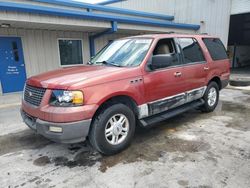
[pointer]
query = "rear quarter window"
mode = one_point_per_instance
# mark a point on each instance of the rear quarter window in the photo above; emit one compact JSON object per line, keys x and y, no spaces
{"x":191,"y":50}
{"x":215,"y":48}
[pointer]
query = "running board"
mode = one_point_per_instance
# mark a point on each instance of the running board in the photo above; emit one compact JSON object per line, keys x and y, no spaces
{"x":170,"y":113}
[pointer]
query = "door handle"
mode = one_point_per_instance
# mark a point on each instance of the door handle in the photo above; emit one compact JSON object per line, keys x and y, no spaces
{"x":177,"y":74}
{"x":206,"y":68}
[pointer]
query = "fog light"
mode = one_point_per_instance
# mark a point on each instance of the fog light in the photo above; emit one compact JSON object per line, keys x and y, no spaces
{"x":55,"y":129}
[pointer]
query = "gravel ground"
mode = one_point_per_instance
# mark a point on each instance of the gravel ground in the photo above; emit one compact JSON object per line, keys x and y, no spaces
{"x":194,"y":150}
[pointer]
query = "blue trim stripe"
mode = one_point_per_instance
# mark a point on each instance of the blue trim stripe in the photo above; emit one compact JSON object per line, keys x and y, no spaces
{"x":109,"y":2}
{"x":92,"y":38}
{"x":106,"y":9}
{"x":7,"y":6}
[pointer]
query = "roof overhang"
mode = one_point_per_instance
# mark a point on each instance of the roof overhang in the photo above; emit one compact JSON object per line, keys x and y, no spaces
{"x":76,"y":14}
{"x":108,"y":9}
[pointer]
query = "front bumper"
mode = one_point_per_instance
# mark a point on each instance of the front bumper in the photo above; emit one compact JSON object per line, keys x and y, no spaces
{"x":72,"y":132}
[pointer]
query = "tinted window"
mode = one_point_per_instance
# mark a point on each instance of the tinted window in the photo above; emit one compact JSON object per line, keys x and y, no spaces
{"x":70,"y":52}
{"x":215,"y":48}
{"x":191,"y":50}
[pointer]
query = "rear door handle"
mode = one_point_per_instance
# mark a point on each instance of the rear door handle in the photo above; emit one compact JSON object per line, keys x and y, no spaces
{"x":206,"y":68}
{"x":177,"y":74}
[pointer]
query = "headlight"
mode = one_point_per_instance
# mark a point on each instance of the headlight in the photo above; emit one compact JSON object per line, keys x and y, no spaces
{"x":66,"y":98}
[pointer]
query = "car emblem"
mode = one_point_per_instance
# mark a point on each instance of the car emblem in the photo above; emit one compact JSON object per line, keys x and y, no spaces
{"x":30,"y":94}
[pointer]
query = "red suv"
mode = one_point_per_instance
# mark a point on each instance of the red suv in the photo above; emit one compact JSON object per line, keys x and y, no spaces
{"x":136,"y":80}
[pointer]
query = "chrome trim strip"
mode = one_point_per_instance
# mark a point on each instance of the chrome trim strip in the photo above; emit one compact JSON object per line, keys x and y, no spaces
{"x":143,"y":111}
{"x":148,"y":109}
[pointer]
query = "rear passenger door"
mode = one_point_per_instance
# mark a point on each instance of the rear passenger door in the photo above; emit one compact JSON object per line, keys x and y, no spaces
{"x":195,"y":68}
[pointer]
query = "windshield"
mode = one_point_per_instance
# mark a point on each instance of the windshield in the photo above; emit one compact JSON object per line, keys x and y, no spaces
{"x":123,"y":53}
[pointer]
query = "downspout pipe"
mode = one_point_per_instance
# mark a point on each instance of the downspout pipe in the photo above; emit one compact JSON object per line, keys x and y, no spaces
{"x":92,"y":38}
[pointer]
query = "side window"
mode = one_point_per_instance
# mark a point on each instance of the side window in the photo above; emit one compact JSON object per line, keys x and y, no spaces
{"x":191,"y":50}
{"x":164,"y":54}
{"x":70,"y":52}
{"x":215,"y":48}
{"x":164,"y":46}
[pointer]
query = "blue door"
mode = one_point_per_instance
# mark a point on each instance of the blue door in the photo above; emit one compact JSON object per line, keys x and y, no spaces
{"x":12,"y":67}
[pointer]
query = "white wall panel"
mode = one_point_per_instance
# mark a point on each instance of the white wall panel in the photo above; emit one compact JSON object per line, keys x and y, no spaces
{"x":40,"y":47}
{"x":240,"y":6}
{"x":214,"y":13}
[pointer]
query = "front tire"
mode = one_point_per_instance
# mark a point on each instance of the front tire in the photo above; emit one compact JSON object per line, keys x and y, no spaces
{"x":113,"y":129}
{"x":211,"y":97}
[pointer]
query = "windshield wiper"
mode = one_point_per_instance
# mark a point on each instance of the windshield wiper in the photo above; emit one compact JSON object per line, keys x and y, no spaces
{"x":109,"y":63}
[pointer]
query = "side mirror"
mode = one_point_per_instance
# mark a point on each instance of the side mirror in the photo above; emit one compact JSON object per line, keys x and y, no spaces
{"x":163,"y":61}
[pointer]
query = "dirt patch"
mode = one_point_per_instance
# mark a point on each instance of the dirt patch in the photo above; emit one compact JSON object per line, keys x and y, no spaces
{"x":234,"y":107}
{"x":22,"y":140}
{"x":239,"y":125}
{"x":148,"y":145}
{"x":152,"y":151}
{"x":86,"y":158}
{"x":183,"y":183}
{"x":42,"y":161}
{"x":240,"y":152}
{"x":240,"y":114}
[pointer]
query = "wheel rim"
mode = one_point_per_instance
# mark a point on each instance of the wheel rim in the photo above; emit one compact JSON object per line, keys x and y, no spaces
{"x":117,"y":129}
{"x":212,"y":96}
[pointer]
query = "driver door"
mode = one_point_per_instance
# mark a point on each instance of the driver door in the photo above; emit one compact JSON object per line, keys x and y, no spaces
{"x":164,"y":87}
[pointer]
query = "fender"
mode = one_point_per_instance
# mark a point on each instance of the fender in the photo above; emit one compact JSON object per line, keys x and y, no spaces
{"x":117,"y":94}
{"x":98,"y":94}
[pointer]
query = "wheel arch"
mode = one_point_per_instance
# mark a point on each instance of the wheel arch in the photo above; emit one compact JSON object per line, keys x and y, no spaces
{"x":123,"y":99}
{"x":217,"y":80}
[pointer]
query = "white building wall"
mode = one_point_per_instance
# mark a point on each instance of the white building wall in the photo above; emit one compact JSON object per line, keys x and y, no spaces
{"x":240,"y":6}
{"x":212,"y":15}
{"x":41,"y":51}
{"x":40,"y":47}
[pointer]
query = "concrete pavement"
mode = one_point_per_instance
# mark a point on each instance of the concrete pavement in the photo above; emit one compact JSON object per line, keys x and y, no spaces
{"x":195,"y":150}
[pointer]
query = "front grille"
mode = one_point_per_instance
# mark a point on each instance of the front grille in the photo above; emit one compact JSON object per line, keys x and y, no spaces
{"x":33,"y":95}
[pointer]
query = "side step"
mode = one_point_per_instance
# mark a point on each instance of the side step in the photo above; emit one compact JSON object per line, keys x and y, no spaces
{"x":170,"y":113}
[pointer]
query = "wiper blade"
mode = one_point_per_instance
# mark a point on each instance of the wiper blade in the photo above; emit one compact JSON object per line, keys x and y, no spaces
{"x":109,"y":63}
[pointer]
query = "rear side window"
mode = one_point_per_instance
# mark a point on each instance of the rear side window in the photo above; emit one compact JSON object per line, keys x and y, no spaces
{"x":191,"y":50}
{"x":215,"y":48}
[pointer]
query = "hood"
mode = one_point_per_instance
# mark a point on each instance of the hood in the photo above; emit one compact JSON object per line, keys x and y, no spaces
{"x":78,"y":75}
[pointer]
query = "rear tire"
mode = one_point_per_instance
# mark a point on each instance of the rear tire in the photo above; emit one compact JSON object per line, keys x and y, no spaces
{"x":211,"y":97}
{"x":112,"y":129}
